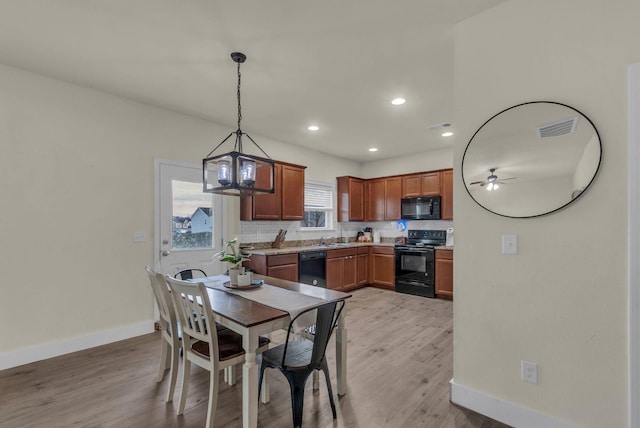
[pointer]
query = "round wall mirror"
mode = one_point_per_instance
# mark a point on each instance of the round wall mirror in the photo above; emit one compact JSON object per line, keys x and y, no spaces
{"x":531,"y":159}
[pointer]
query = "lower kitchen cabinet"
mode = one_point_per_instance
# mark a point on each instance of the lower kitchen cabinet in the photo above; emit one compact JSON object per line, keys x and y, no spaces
{"x":382,"y":270}
{"x":342,"y":269}
{"x":363,"y":266}
{"x":444,"y":274}
{"x":282,"y":266}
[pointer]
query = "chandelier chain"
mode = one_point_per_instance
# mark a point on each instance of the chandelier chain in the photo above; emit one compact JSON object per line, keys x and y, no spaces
{"x":239,"y":108}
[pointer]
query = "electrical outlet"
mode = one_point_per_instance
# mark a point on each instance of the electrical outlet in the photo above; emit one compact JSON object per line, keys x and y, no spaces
{"x":529,"y":372}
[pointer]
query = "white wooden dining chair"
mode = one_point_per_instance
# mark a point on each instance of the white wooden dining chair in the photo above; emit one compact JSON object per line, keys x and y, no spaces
{"x":169,"y":329}
{"x":209,"y":348}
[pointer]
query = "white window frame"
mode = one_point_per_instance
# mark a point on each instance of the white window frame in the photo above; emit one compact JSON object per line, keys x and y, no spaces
{"x":330,"y":210}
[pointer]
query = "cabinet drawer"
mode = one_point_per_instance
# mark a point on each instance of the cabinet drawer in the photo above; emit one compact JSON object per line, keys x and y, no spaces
{"x":444,"y":254}
{"x":363,"y":250}
{"x":345,"y":252}
{"x":383,"y":250}
{"x":282,"y":259}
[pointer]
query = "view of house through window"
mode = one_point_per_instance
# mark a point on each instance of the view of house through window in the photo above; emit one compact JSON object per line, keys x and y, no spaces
{"x":318,"y":206}
{"x":192,"y":216}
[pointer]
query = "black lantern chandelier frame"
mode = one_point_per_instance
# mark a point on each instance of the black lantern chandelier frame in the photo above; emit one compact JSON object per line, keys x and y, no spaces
{"x":237,"y":173}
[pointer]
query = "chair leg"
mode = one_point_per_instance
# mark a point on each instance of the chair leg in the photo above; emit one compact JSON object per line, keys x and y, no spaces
{"x":325,"y":369}
{"x":213,"y":397}
{"x":175,"y":359}
{"x":263,"y":367}
{"x":186,"y":369}
{"x":316,"y":383}
{"x":231,"y":375}
{"x":264,"y":385}
{"x":297,"y":382}
{"x":164,"y":354}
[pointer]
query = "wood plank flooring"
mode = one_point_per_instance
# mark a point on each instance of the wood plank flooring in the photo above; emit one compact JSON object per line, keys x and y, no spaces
{"x":399,"y":365}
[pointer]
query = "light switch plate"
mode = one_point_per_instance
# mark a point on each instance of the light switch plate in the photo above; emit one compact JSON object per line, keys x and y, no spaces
{"x":139,"y":236}
{"x":509,"y":244}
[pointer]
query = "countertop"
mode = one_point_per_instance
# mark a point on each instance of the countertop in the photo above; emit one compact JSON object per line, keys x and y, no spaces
{"x":302,"y":249}
{"x":293,"y":250}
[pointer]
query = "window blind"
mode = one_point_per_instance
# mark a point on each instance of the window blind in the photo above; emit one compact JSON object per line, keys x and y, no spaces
{"x":318,"y":195}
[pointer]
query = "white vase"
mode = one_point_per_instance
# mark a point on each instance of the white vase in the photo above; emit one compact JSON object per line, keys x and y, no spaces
{"x":233,"y":274}
{"x":245,"y":280}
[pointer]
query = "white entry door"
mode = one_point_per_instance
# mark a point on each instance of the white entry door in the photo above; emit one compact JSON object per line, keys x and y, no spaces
{"x":189,"y":222}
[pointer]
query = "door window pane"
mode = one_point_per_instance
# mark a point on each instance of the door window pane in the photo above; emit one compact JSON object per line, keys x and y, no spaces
{"x":192,"y":216}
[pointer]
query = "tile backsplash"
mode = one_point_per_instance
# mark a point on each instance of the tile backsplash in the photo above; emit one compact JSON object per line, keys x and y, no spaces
{"x":254,"y":232}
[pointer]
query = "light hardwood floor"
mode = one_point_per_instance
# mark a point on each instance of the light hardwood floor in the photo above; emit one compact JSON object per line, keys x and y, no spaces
{"x":399,"y":365}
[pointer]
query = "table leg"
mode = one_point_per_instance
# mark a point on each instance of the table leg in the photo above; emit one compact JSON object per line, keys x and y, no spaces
{"x":250,"y":381}
{"x":341,"y":353}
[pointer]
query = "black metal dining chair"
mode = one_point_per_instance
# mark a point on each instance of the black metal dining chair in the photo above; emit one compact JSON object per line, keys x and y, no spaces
{"x":186,"y":274}
{"x":299,"y":356}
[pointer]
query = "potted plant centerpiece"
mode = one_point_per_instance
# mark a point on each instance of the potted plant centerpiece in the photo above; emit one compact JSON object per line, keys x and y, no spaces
{"x":234,"y":255}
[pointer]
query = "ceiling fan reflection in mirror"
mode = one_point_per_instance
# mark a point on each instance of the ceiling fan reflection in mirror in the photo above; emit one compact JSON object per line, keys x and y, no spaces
{"x":492,"y":182}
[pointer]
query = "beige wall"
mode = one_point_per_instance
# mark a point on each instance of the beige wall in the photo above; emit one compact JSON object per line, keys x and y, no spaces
{"x":77,"y":168}
{"x":418,"y":162}
{"x":562,"y":301}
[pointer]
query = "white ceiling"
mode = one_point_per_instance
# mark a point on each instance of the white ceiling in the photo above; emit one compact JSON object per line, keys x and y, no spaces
{"x":333,"y":63}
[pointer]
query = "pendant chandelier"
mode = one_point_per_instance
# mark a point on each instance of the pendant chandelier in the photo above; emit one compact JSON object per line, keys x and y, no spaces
{"x":237,"y":173}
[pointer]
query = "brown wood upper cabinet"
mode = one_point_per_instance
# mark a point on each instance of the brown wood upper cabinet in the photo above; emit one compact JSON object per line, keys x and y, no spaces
{"x":422,"y":184}
{"x":286,"y":203}
{"x":446,"y":191}
{"x":383,"y":198}
{"x":350,"y":199}
{"x":378,"y":199}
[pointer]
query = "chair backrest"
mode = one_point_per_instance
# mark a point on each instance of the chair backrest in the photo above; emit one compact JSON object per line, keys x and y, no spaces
{"x":192,"y":305}
{"x":327,"y":316}
{"x":190,"y":274}
{"x":163,"y":298}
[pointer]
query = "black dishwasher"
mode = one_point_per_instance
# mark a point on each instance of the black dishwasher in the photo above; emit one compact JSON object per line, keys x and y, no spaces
{"x":312,"y":267}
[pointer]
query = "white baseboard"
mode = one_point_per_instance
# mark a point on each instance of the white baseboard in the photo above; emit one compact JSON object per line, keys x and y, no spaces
{"x":53,"y":349}
{"x":501,"y":410}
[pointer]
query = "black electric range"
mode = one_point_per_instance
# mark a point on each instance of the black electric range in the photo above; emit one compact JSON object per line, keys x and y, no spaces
{"x":415,"y":262}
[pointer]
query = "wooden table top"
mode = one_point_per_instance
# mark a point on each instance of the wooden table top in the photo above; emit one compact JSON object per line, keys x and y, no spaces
{"x":249,"y":313}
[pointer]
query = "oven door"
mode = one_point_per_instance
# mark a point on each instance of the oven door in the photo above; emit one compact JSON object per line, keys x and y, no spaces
{"x":415,"y":265}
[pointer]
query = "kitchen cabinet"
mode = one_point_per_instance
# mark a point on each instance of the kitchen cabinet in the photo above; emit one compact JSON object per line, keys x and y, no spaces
{"x":446,"y":191}
{"x":283,"y":266}
{"x":382,"y":267}
{"x":422,"y":184}
{"x":383,"y":198}
{"x":363,"y":266}
{"x":342,"y":269}
{"x":286,"y":203}
{"x":350,"y":199}
{"x":444,"y":274}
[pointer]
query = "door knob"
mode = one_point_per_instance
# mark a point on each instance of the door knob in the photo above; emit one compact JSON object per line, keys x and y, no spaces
{"x":165,"y":253}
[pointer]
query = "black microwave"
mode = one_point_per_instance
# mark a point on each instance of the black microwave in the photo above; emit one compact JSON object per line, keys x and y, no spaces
{"x":425,"y":208}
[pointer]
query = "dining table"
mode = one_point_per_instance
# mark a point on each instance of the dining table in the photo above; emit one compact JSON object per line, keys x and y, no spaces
{"x":263,"y":309}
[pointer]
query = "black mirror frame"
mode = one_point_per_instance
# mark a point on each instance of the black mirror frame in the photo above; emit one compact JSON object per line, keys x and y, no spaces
{"x":574,"y":198}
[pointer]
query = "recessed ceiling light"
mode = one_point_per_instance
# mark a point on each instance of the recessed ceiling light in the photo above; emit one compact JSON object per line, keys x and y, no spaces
{"x":313,"y":127}
{"x":398,"y":101}
{"x":373,"y":149}
{"x":447,"y":134}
